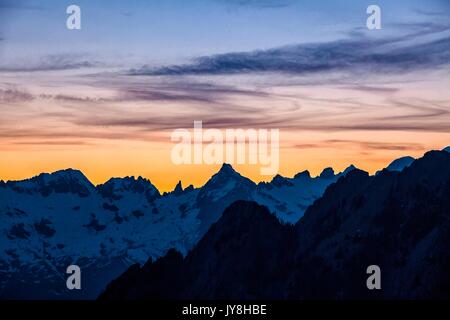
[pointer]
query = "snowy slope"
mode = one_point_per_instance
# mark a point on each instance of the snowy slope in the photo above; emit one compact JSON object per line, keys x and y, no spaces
{"x":288,"y":198}
{"x":53,"y":220}
{"x":43,"y":222}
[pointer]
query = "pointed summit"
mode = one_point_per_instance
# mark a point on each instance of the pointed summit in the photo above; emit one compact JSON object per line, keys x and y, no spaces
{"x":225,"y":182}
{"x":327,"y":173}
{"x":226,"y":173}
{"x":446,"y":149}
{"x":178,"y":189}
{"x":349,"y":169}
{"x":226,"y":169}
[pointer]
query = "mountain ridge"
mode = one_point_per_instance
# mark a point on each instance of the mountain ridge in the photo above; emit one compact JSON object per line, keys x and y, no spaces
{"x":397,"y":220}
{"x":224,"y":170}
{"x":107,"y":228}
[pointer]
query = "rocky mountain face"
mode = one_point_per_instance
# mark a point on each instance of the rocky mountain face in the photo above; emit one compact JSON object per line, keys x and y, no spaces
{"x":54,"y":220}
{"x":397,"y":220}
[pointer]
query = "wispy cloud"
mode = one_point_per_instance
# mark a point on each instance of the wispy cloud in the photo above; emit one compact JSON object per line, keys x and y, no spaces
{"x":365,"y":145}
{"x":372,"y":89}
{"x":429,"y":13}
{"x":14,"y":95}
{"x":189,"y":91}
{"x":57,"y":62}
{"x":358,"y":54}
{"x":145,"y":103}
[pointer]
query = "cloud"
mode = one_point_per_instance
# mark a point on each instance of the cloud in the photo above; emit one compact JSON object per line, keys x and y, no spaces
{"x":14,"y":95}
{"x":56,"y":62}
{"x":182,"y":91}
{"x":145,"y":91}
{"x":432,"y":14}
{"x":56,"y":142}
{"x":140,"y":107}
{"x":119,"y":90}
{"x":375,"y":145}
{"x":365,"y":145}
{"x":359,"y":54}
{"x":373,"y":89}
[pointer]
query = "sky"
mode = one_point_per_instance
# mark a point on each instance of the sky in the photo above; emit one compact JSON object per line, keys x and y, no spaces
{"x":105,"y":99}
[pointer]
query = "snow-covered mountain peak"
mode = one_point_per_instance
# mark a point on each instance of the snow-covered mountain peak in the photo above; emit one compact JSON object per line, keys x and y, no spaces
{"x":226,"y":175}
{"x":68,"y":175}
{"x":115,"y":187}
{"x":62,"y":181}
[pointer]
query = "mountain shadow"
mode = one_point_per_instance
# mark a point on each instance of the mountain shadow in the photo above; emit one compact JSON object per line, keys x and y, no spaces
{"x":399,"y":221}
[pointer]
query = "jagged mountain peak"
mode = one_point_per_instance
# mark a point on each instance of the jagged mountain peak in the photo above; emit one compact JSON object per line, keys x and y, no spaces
{"x":225,"y":187}
{"x":359,"y":221}
{"x":446,"y":149}
{"x":349,"y":169}
{"x":115,"y":186}
{"x":227,"y":169}
{"x":128,"y":183}
{"x":131,"y":223}
{"x":179,"y":186}
{"x":327,"y":173}
{"x":226,"y":173}
{"x":178,"y":189}
{"x":280,"y":181}
{"x":303,"y":174}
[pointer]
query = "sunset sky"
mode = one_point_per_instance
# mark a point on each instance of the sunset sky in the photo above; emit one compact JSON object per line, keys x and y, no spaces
{"x":105,"y":99}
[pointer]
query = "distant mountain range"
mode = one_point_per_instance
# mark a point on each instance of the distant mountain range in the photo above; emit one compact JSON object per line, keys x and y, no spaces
{"x":398,"y":220}
{"x":53,"y":220}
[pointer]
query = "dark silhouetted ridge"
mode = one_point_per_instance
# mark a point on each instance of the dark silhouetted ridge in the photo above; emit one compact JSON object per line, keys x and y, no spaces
{"x":399,"y":221}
